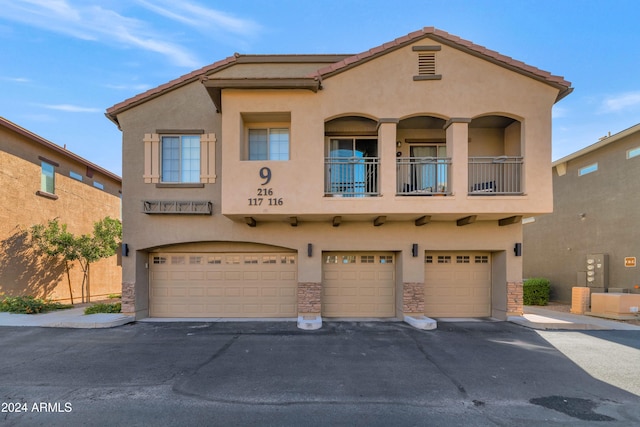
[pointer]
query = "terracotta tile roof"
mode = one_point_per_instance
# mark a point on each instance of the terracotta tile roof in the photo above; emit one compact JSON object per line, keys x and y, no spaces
{"x":62,"y":150}
{"x":456,"y":42}
{"x":173,"y":84}
{"x":348,"y":61}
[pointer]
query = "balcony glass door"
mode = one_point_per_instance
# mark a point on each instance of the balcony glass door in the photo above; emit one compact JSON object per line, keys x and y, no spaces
{"x":352,"y":167}
{"x":429,"y":168}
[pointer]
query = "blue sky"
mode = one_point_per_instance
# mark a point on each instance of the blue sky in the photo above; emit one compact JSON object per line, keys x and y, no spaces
{"x":64,"y":62}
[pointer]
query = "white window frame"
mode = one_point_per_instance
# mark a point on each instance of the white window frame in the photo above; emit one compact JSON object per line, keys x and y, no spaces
{"x":195,"y":163}
{"x":269,"y":153}
{"x":47,"y":177}
{"x":633,"y":152}
{"x":585,"y":170}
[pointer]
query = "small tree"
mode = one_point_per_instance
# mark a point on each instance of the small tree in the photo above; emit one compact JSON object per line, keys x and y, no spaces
{"x":107,"y":234}
{"x":54,"y":240}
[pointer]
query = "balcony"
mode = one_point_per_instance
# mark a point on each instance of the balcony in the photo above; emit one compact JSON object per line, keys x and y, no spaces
{"x":500,"y":175}
{"x":351,"y":176}
{"x":422,"y":176}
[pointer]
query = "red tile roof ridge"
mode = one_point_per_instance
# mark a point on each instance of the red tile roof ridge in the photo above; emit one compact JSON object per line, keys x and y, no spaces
{"x":353,"y":60}
{"x":446,"y":37}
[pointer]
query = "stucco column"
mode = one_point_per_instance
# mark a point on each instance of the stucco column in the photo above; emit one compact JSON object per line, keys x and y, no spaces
{"x":387,"y":154}
{"x":458,"y":150}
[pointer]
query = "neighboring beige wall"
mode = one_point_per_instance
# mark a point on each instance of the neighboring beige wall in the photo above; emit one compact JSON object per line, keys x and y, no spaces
{"x":78,"y":205}
{"x":556,"y":245}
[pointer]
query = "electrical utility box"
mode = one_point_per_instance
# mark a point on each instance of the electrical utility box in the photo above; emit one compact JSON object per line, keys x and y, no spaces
{"x":598,"y":271}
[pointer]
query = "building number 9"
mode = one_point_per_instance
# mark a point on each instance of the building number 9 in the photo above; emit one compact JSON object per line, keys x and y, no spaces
{"x":265,"y":173}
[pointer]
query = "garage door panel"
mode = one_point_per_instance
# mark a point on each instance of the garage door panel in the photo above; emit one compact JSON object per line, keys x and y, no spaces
{"x":331,"y":275}
{"x":288,"y":292}
{"x":215,"y":275}
{"x":250,"y":275}
{"x":368,"y":275}
{"x":178,"y":275}
{"x":250,"y":292}
{"x":457,"y":284}
{"x":386,"y":275}
{"x":288,"y":275}
{"x":233,"y":275}
{"x":222,"y":285}
{"x":358,"y":285}
{"x":196,"y":292}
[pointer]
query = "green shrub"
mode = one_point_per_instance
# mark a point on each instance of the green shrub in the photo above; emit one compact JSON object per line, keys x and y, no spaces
{"x":114,"y":296}
{"x":103,"y":308}
{"x":536,"y":291}
{"x":30,"y":305}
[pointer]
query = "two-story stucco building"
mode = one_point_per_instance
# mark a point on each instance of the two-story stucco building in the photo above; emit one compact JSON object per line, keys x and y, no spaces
{"x":388,"y":184}
{"x":40,"y":181}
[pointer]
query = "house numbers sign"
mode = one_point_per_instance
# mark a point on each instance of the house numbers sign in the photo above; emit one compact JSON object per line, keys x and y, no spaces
{"x":630,"y":261}
{"x":265,"y":195}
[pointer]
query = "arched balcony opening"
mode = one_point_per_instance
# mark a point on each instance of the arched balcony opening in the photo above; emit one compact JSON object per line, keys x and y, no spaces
{"x":495,"y":156}
{"x":351,"y":157}
{"x":422,"y":164}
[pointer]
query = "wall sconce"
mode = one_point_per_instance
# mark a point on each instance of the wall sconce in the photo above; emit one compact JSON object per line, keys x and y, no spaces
{"x":414,"y":250}
{"x":309,"y":250}
{"x":399,"y":144}
{"x":125,"y":249}
{"x":517,"y":249}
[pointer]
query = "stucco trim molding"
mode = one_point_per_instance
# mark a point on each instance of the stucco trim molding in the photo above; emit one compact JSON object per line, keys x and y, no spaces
{"x":455,"y":120}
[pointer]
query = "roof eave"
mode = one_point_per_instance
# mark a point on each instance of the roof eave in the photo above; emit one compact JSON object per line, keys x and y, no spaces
{"x":601,"y":143}
{"x":215,"y":86}
{"x":55,"y":147}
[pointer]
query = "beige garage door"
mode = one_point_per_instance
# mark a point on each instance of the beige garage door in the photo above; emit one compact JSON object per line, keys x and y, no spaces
{"x":358,"y":284}
{"x":457,"y":284}
{"x":223,"y":285}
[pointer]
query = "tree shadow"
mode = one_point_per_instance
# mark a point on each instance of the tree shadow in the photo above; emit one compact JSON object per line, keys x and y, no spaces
{"x":25,"y":272}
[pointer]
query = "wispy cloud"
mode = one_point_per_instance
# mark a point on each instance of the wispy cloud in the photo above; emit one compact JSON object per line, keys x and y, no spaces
{"x":129,"y":87}
{"x":203,"y":18}
{"x":91,"y":21}
{"x":621,"y":102}
{"x":70,"y":108}
{"x":15,"y":79}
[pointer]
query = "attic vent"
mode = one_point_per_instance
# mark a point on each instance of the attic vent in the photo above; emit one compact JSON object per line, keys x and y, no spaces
{"x":427,"y":64}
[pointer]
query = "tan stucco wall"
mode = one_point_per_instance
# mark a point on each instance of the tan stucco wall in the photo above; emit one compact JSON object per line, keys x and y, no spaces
{"x":78,"y":205}
{"x":379,"y":89}
{"x":383,"y":89}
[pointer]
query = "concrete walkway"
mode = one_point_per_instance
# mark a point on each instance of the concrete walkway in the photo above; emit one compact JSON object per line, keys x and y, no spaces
{"x":534,"y":317}
{"x":71,"y":318}
{"x":542,"y":318}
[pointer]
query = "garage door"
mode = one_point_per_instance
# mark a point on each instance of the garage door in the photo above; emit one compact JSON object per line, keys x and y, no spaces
{"x":457,"y":284}
{"x":358,"y":284}
{"x":223,"y":285}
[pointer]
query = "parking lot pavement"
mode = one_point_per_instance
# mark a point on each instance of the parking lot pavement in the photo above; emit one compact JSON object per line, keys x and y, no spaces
{"x":347,"y":373}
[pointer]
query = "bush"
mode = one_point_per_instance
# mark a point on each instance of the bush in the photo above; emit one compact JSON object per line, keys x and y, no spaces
{"x":536,"y":291}
{"x":103,"y":308}
{"x":30,"y":305}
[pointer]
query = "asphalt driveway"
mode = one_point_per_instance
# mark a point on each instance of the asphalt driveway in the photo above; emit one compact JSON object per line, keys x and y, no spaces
{"x":352,"y":373}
